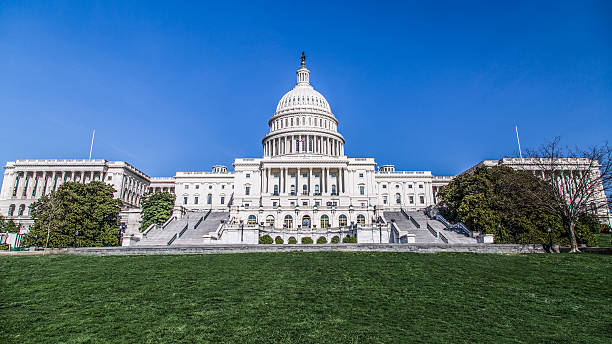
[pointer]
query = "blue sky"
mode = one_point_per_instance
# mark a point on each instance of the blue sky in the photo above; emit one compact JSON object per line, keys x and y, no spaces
{"x":181,"y":86}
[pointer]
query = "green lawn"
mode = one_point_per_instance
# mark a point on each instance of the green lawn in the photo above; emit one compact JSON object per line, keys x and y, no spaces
{"x":324,"y":297}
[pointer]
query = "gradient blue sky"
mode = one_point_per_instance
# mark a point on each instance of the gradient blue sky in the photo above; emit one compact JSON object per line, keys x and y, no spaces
{"x":179,"y":86}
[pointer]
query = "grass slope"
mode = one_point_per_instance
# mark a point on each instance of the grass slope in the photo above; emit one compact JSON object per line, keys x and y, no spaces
{"x":324,"y":297}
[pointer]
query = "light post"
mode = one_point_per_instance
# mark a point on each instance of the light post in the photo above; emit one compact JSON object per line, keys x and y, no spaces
{"x":241,"y":229}
{"x":379,"y":230}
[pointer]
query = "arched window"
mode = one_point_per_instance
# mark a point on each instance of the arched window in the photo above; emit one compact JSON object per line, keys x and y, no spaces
{"x":292,"y":190}
{"x":333,"y":189}
{"x":342,"y":221}
{"x":306,"y":221}
{"x":21,"y":210}
{"x":11,"y":210}
{"x":324,"y":221}
{"x":252,"y":221}
{"x":361,"y":220}
{"x":270,"y":220}
{"x":398,"y":198}
{"x":209,"y":199}
{"x":288,"y":223}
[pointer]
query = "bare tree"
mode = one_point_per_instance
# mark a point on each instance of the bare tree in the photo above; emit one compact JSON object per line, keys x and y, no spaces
{"x":581,"y":182}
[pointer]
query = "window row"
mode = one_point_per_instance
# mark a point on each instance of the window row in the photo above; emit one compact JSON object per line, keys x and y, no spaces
{"x":306,"y":221}
{"x":289,"y":122}
{"x":209,"y":200}
{"x":398,"y":199}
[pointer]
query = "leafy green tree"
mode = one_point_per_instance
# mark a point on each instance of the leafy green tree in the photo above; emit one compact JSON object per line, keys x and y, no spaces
{"x":8,"y":226}
{"x":500,"y":200}
{"x":156,"y":208}
{"x":85,"y":214}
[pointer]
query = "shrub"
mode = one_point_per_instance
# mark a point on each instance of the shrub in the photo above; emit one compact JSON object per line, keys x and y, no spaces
{"x":307,"y":240}
{"x":266,"y":239}
{"x":292,"y":241}
{"x":279,"y":240}
{"x":4,"y":247}
{"x":335,"y":240}
{"x":349,"y":240}
{"x":321,"y":240}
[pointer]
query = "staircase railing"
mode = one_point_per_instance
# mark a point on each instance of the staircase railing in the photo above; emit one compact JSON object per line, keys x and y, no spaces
{"x":180,"y":234}
{"x":443,"y":238}
{"x":432,"y":231}
{"x":410,"y":218}
{"x":462,"y":227}
{"x":174,"y":237}
{"x":459,"y":226}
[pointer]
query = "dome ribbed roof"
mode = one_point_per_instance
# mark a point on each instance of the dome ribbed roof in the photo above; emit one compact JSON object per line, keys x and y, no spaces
{"x":303,"y":96}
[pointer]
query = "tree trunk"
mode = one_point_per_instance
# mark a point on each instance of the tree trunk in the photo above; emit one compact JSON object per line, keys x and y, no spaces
{"x":572,"y":234}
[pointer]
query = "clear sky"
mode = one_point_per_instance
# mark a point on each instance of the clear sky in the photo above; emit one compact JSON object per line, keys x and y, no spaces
{"x":180,"y":86}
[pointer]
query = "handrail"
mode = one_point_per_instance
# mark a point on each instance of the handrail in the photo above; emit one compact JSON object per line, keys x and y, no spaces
{"x":443,"y":220}
{"x":431,"y":230}
{"x":461,"y":226}
{"x":180,"y":234}
{"x":443,"y":238}
{"x":151,"y":226}
{"x":410,"y":218}
{"x":174,"y":237}
{"x":168,"y":221}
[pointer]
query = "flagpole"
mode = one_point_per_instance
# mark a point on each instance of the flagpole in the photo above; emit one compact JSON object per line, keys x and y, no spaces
{"x":92,"y":141}
{"x":519,"y":142}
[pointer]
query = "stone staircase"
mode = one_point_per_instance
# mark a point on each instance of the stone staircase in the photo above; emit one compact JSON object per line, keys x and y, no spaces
{"x":163,"y":236}
{"x":452,"y":236}
{"x":419,"y":224}
{"x":193,"y":235}
{"x":422,"y":235}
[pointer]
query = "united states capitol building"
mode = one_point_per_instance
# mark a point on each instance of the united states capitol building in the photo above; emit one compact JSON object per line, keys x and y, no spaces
{"x":303,"y":185}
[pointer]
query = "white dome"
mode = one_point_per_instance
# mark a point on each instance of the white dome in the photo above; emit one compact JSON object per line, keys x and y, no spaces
{"x":302,"y":96}
{"x":303,"y":123}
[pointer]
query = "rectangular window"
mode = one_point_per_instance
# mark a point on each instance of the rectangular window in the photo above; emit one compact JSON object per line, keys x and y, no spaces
{"x":275,"y":175}
{"x":362,"y":190}
{"x":384,"y":186}
{"x":195,"y":200}
{"x":248,"y":175}
{"x":420,"y":186}
{"x":222,"y":200}
{"x":411,"y":199}
{"x":186,"y":186}
{"x":274,"y":204}
{"x":410,"y":186}
{"x":360,"y":175}
{"x":184,"y":200}
{"x":304,"y":175}
{"x":422,"y":199}
{"x":223,"y":186}
{"x":333,"y":175}
{"x":385,"y":200}
{"x":197,"y":186}
{"x":247,"y":190}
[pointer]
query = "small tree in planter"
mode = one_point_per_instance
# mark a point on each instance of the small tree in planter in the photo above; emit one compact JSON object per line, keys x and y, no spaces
{"x":278,"y":240}
{"x":349,"y":240}
{"x":266,"y":240}
{"x":321,"y":240}
{"x":335,"y":240}
{"x":307,"y":240}
{"x":292,"y":241}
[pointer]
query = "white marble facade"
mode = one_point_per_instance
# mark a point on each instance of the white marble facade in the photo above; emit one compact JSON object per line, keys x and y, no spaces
{"x":303,"y":179}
